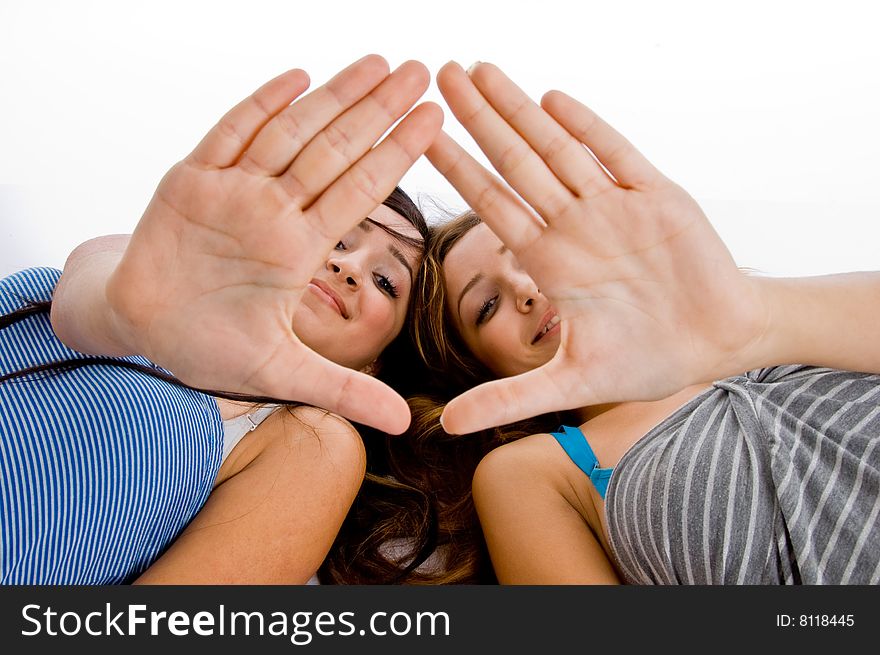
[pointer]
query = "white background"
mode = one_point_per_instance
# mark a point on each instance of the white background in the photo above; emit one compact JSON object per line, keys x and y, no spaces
{"x":767,"y":112}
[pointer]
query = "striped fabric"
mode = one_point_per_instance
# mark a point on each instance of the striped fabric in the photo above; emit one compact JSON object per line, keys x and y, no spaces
{"x":100,"y":468}
{"x":768,"y":478}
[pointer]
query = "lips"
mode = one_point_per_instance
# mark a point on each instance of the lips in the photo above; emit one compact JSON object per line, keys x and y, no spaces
{"x":328,"y":295}
{"x":548,"y":323}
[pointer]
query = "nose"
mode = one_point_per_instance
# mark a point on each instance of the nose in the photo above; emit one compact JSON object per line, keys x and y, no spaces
{"x":526,"y":294}
{"x":345,"y":270}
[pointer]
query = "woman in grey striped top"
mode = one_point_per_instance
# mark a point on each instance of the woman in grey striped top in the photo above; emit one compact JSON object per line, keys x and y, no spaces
{"x":228,"y":284}
{"x":700,"y":457}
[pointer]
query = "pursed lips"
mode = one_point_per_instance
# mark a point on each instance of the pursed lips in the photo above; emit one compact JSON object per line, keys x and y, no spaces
{"x":329,"y":295}
{"x":549,"y":321}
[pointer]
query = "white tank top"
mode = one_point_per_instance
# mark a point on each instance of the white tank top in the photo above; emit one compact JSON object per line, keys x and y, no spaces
{"x":235,"y":429}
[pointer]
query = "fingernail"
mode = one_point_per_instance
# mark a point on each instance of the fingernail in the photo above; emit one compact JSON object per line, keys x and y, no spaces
{"x":442,"y":425}
{"x":471,"y":68}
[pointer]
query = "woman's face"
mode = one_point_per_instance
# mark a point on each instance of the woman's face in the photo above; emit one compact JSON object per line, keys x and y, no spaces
{"x":355,"y":305}
{"x":496,"y":307}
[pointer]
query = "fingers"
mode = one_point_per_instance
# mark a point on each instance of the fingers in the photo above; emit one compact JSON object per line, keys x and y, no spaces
{"x":619,"y":156}
{"x":287,"y":133}
{"x":509,"y":153}
{"x":542,"y":390}
{"x":372,"y":179}
{"x":302,"y":374}
{"x":223,"y":145}
{"x":347,"y":138}
{"x":495,"y":203}
{"x":560,"y":151}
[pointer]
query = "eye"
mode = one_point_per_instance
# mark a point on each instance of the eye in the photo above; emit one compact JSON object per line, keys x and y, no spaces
{"x":487,"y":309}
{"x":386,"y":285}
{"x":340,"y":246}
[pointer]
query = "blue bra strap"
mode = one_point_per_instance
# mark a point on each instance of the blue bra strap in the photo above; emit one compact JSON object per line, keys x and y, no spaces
{"x":574,"y":443}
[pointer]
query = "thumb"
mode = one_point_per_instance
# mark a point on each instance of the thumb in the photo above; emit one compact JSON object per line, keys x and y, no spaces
{"x":512,"y":399}
{"x":311,"y":379}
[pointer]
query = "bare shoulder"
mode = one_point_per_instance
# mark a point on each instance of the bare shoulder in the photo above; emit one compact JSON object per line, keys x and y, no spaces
{"x":311,"y":434}
{"x":538,"y":461}
{"x":537,"y":450}
{"x":307,"y":431}
{"x":538,"y":458}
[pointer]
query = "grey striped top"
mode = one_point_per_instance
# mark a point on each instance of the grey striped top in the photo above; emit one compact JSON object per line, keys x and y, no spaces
{"x":772,"y":477}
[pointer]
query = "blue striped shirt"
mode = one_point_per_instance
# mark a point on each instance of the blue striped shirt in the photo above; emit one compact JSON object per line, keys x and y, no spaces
{"x":100,"y":467}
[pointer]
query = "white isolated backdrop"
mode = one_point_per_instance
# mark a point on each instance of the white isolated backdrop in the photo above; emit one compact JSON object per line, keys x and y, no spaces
{"x":766,"y":112}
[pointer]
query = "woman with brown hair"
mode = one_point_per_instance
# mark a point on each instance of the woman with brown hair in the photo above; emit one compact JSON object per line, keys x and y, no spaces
{"x":723,"y":436}
{"x":274,"y":264}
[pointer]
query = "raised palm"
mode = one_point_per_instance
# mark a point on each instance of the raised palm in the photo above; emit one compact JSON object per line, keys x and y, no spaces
{"x":215,"y":269}
{"x":650,"y":297}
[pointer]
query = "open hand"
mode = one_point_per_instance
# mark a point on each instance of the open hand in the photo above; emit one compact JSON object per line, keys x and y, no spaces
{"x":650,"y":299}
{"x":216,"y":267}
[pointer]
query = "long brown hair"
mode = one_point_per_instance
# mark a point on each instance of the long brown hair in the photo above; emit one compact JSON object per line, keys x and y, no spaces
{"x":418,"y":486}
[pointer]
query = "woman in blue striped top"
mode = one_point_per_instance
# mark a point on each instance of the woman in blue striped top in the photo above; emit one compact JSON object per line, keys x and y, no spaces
{"x":701,"y":456}
{"x":112,"y":474}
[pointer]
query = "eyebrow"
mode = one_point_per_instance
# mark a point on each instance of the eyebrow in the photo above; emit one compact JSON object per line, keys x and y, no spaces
{"x":399,"y":257}
{"x":395,"y":252}
{"x":476,"y":278}
{"x":467,"y":287}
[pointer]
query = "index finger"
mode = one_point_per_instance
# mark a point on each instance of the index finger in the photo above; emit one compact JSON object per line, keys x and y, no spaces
{"x":511,"y":155}
{"x":562,"y":153}
{"x":371,"y":178}
{"x":487,"y":195}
